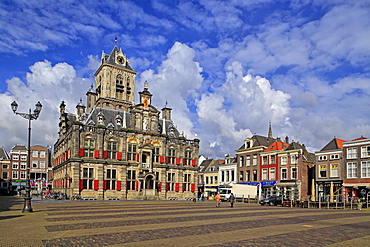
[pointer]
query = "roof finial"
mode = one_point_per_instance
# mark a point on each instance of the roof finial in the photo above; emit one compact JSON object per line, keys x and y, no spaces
{"x":115,"y":40}
{"x":146,"y":84}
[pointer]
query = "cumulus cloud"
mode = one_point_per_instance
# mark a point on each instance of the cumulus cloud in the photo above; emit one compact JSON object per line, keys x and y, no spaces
{"x":242,"y":106}
{"x":175,"y":82}
{"x":45,"y":83}
{"x":304,"y":66}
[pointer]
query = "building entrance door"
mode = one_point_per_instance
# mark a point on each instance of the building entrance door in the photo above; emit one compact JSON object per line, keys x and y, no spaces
{"x":149,"y":185}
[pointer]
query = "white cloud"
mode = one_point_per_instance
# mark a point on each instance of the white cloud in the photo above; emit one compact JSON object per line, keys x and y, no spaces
{"x":49,"y":85}
{"x":176,"y":82}
{"x":242,"y":106}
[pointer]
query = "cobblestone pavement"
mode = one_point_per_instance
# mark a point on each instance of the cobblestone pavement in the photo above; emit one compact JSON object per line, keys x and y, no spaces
{"x":177,"y":223}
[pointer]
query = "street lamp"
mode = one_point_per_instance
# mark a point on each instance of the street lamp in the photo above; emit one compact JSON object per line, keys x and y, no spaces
{"x":27,"y":208}
{"x":66,"y":178}
{"x":296,"y":194}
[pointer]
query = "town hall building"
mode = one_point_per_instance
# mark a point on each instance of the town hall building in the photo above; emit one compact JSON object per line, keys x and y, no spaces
{"x":114,"y":149}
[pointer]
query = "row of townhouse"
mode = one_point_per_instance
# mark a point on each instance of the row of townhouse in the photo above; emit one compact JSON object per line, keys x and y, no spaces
{"x":340,"y":170}
{"x":14,"y":171}
{"x":343,"y":169}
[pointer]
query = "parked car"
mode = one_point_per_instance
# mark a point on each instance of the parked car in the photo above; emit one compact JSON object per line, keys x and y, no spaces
{"x":271,"y":201}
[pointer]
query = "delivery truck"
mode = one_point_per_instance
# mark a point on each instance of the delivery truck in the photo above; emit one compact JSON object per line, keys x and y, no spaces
{"x":240,"y":191}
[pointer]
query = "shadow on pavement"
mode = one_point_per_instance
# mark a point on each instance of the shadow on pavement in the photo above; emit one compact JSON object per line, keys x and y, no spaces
{"x":10,"y":217}
{"x":6,"y":202}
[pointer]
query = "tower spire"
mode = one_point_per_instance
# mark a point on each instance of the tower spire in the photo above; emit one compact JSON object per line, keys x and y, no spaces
{"x":270,"y":131}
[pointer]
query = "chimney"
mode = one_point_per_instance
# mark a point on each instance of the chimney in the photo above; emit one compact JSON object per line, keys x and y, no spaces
{"x":286,"y":139}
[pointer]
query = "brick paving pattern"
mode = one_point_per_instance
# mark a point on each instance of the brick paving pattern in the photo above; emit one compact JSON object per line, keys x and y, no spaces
{"x":177,"y":223}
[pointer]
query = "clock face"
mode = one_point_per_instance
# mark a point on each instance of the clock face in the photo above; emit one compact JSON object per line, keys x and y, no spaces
{"x":120,"y":60}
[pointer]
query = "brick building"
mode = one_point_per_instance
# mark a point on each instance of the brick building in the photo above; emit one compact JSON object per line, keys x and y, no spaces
{"x":356,"y":181}
{"x":330,"y":170}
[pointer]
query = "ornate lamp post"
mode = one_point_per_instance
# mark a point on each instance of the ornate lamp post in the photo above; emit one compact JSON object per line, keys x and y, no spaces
{"x":296,"y":190}
{"x":27,"y":208}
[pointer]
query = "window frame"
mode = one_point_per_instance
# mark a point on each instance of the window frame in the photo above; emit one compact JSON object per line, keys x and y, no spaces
{"x":352,"y":153}
{"x":353,"y":171}
{"x":365,"y":165}
{"x":365,"y":153}
{"x":284,"y":174}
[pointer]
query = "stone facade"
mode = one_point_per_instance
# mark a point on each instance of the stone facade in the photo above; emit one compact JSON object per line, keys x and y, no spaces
{"x":115,"y":149}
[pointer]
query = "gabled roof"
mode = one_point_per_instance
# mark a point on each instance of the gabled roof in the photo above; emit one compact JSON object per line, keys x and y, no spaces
{"x":309,"y":157}
{"x":3,"y":154}
{"x":294,"y":146}
{"x":203,"y":166}
{"x":260,"y":141}
{"x":110,"y":59}
{"x":19,"y":148}
{"x":333,"y":144}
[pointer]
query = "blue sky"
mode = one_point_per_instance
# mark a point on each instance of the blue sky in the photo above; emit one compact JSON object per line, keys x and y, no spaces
{"x":227,"y":68}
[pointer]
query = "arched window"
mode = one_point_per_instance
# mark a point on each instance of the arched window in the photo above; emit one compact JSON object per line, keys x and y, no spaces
{"x":119,"y":80}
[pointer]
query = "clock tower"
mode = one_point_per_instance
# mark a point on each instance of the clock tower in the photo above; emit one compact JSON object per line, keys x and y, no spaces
{"x":115,"y":81}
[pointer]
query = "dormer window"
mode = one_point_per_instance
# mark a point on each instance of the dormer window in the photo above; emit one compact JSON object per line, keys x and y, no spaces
{"x":118,"y":120}
{"x":248,"y":143}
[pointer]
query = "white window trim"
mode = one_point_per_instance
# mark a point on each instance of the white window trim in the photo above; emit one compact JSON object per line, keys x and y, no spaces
{"x":367,"y":154}
{"x":354,"y":153}
{"x":352,"y":163}
{"x":368,"y":173}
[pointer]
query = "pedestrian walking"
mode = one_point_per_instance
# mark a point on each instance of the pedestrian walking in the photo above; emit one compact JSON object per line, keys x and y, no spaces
{"x":232,"y":199}
{"x":218,"y":200}
{"x":194,"y":197}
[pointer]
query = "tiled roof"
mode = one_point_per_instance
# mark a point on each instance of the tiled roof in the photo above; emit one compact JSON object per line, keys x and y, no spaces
{"x":360,"y":138}
{"x":277,"y":145}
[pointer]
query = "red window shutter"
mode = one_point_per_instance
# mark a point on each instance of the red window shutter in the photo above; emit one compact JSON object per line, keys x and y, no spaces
{"x":193,"y":162}
{"x":167,"y":186}
{"x":137,"y":157}
{"x":118,"y":184}
{"x":81,"y":152}
{"x":119,"y":155}
{"x":105,"y":184}
{"x":177,"y":185}
{"x":105,"y":154}
{"x":137,"y":185}
{"x":159,"y":186}
{"x":81,"y":184}
{"x":167,"y":160}
{"x":96,"y":184}
{"x":96,"y":154}
{"x":184,"y":162}
{"x":192,"y":187}
{"x":177,"y":161}
{"x":161,"y":159}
